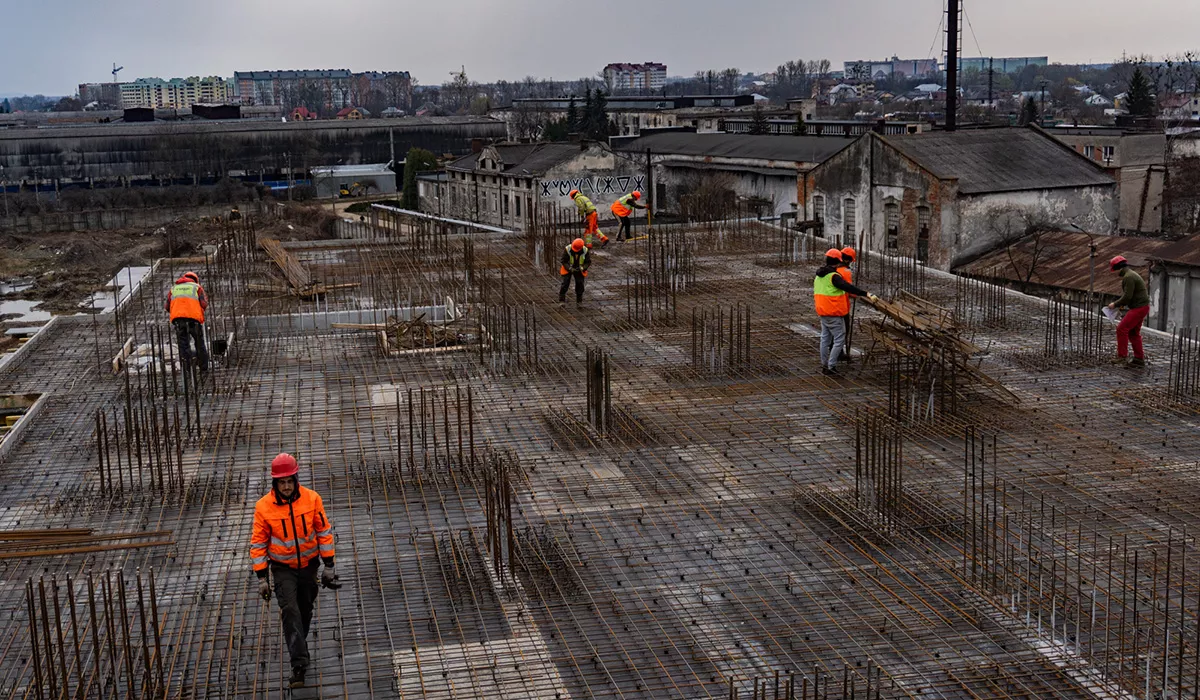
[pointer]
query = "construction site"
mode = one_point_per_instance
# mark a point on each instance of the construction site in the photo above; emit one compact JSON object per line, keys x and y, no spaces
{"x":655,"y":495}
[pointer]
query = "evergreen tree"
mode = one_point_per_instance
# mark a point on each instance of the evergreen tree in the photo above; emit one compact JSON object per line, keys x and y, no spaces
{"x":599,"y":121}
{"x":1139,"y":99}
{"x":417,"y":161}
{"x":585,"y":120}
{"x":758,"y":121}
{"x":1029,"y":112}
{"x":557,"y":130}
{"x":6,"y":108}
{"x":572,"y":115}
{"x":801,"y":126}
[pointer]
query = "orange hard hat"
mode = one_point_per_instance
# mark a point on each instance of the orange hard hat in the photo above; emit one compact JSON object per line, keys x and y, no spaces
{"x":572,"y":194}
{"x":1119,"y":260}
{"x":833,"y":253}
{"x":284,"y":465}
{"x":848,"y":254}
{"x":637,"y":194}
{"x":577,"y":245}
{"x":191,"y":276}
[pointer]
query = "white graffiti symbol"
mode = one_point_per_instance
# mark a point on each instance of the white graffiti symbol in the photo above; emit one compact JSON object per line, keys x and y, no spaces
{"x":599,"y":185}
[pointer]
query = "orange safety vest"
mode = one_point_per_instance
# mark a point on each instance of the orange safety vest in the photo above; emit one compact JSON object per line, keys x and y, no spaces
{"x":291,"y":534}
{"x":830,"y":300}
{"x":185,"y":301}
{"x":621,"y":206}
{"x":845,"y":273}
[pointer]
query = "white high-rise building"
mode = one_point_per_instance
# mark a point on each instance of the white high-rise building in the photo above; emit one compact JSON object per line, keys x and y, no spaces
{"x":635,"y":76}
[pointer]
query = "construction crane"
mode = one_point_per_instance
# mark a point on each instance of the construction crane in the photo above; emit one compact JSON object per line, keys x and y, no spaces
{"x":116,"y":70}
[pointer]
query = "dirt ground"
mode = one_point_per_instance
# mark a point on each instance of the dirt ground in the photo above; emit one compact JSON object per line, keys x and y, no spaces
{"x":65,"y":268}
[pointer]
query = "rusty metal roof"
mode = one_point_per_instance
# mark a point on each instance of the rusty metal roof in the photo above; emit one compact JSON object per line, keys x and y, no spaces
{"x":1059,"y":259}
{"x":1185,"y":252}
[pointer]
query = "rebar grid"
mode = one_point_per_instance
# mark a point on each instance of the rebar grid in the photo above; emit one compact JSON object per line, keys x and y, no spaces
{"x":702,"y":539}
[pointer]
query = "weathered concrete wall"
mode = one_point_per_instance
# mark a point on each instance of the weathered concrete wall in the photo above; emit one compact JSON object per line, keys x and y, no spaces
{"x":1142,"y":198}
{"x":991,"y":220}
{"x":679,"y":180}
{"x":1174,"y":297}
{"x":108,"y":219}
{"x":213,"y":149}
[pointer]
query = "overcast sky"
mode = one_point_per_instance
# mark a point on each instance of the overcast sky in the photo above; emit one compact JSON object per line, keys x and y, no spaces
{"x":53,"y":45}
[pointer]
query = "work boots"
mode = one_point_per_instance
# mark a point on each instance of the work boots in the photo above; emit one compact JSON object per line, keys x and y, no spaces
{"x":297,"y":680}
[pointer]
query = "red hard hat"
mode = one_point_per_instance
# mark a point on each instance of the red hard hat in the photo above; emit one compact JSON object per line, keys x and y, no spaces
{"x":577,"y":245}
{"x":848,"y":252}
{"x":1112,"y":265}
{"x":833,"y":253}
{"x":637,"y":194}
{"x":572,"y":193}
{"x":284,"y":465}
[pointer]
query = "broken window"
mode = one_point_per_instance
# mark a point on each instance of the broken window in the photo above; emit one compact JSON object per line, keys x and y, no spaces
{"x":891,"y":218}
{"x":849,"y":221}
{"x":923,"y":219}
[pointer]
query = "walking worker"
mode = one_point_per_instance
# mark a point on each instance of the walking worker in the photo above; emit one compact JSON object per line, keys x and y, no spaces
{"x":831,"y":295}
{"x":591,"y":219}
{"x":574,"y":266}
{"x":1135,"y":298}
{"x":187,"y":303}
{"x":291,"y":536}
{"x":848,"y":256}
{"x":622,"y":208}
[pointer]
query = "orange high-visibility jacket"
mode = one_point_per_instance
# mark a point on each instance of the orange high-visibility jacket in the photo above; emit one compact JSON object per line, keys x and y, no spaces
{"x":845,"y":273}
{"x":625,"y":205}
{"x":830,"y":301}
{"x":290,"y":534}
{"x":187,"y":300}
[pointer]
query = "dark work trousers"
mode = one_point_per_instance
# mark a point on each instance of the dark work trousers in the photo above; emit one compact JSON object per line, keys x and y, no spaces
{"x":566,"y":284}
{"x":624,"y":232}
{"x":186,"y":331}
{"x":296,"y":589}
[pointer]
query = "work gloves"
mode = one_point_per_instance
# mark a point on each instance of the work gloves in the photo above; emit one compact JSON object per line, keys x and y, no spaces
{"x":264,"y":589}
{"x":872,"y":297}
{"x":329,"y":579}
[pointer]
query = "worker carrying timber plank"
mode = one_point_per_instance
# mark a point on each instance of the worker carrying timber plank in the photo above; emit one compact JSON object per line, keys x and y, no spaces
{"x":574,"y":266}
{"x":848,"y":256}
{"x":291,"y":536}
{"x":591,"y":219}
{"x":1135,"y":298}
{"x":187,"y":303}
{"x":622,"y":208}
{"x":830,"y":294}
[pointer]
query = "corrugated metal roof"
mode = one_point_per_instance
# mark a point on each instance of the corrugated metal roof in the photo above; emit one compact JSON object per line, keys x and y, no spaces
{"x":789,"y":172}
{"x":1185,"y":252}
{"x":1059,"y":259}
{"x":1000,"y":160}
{"x":797,"y":149}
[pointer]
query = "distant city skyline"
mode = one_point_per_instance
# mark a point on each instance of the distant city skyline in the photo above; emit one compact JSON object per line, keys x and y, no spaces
{"x":548,"y":40}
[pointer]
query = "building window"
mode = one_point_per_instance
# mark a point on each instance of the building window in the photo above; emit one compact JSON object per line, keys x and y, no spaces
{"x":1109,"y":152}
{"x":923,"y":220}
{"x":818,"y":212}
{"x":849,"y":221}
{"x":1089,"y":152}
{"x":517,"y":206}
{"x":506,"y":205}
{"x":891,"y":219}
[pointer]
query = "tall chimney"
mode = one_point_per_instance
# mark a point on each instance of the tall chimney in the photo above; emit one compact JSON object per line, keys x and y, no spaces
{"x":951,"y":64}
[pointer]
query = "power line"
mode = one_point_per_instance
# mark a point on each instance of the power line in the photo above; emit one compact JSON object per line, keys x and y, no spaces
{"x":972,"y":28}
{"x":938,"y":33}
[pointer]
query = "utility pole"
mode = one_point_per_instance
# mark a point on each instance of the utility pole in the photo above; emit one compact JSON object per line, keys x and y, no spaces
{"x":1042,"y":110}
{"x":952,"y":65}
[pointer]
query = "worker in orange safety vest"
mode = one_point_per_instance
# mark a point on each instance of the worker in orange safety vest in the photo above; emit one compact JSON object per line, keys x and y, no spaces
{"x":574,"y":266}
{"x":622,"y":208}
{"x":830,"y":295}
{"x":291,"y":536}
{"x":848,"y":256}
{"x":591,"y":219}
{"x":186,"y":304}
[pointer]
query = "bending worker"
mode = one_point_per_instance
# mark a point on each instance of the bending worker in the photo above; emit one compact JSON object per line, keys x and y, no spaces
{"x":290,"y":531}
{"x":574,"y":266}
{"x":187,"y":303}
{"x":591,"y":219}
{"x":1135,"y":298}
{"x":848,"y":256}
{"x":622,"y":208}
{"x":830,"y":293}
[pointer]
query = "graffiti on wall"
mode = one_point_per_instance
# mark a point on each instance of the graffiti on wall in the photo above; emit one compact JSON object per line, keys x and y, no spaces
{"x":599,"y":185}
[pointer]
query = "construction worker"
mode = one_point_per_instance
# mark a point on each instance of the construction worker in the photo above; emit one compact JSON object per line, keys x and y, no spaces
{"x":291,"y":536}
{"x":575,"y":262}
{"x":1135,"y":298}
{"x":591,"y":219}
{"x":848,"y":256}
{"x":187,"y":303}
{"x":622,"y":208}
{"x":830,"y":294}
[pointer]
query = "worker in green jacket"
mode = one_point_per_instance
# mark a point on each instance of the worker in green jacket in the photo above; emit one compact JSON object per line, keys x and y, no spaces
{"x":1135,"y":298}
